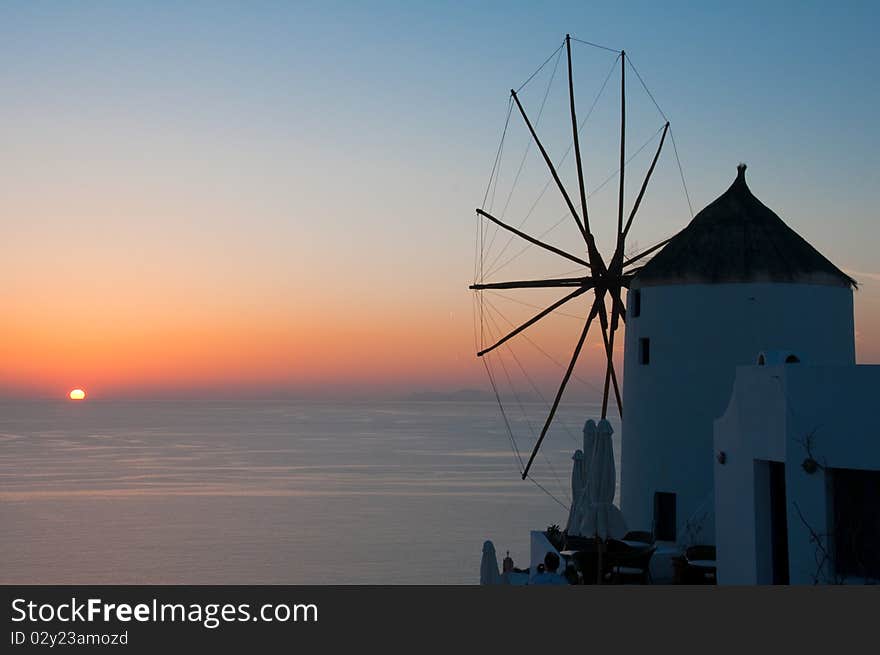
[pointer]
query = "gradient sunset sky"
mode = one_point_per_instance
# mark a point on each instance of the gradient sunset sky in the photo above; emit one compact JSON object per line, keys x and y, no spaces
{"x":265,"y":198}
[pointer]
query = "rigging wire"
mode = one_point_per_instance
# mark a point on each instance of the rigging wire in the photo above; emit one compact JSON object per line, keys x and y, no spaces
{"x":533,"y":306}
{"x":496,"y":269}
{"x":543,"y":398}
{"x":512,"y":439}
{"x":531,"y":77}
{"x":478,"y":223}
{"x":530,"y":141}
{"x":492,"y":271}
{"x":497,"y":178}
{"x":560,"y":162}
{"x":500,"y":163}
{"x":522,"y":408}
{"x":645,"y":87}
{"x":672,"y":137}
{"x":626,"y":163}
{"x":511,"y":436}
{"x":681,"y":173}
{"x":479,"y":294}
{"x":542,"y":488}
{"x":478,"y":249}
{"x":595,"y":45}
{"x":528,"y":148}
{"x":476,"y":327}
{"x":590,"y":385}
{"x":504,"y":415}
{"x":585,"y":272}
{"x":481,"y":223}
{"x":498,"y":152}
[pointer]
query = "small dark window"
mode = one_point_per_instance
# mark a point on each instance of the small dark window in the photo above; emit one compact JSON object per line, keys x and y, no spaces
{"x":637,"y":303}
{"x":792,"y":359}
{"x":856,"y":522}
{"x":644,"y":351}
{"x":664,"y":516}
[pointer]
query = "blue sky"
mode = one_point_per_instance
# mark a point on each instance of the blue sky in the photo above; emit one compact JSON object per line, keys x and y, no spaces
{"x":789,"y":87}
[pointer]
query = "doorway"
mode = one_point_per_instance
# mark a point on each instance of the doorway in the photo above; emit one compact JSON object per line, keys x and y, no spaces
{"x":778,"y":523}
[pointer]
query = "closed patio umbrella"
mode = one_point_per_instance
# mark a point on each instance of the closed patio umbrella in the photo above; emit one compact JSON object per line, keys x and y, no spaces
{"x":602,"y":517}
{"x":489,"y":573}
{"x":589,"y":445}
{"x":575,"y":512}
{"x":582,"y":500}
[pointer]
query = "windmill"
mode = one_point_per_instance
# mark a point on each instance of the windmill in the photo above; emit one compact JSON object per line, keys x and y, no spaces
{"x":606,"y":276}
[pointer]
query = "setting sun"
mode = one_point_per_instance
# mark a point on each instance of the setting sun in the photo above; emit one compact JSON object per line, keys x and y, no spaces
{"x":77,"y":394}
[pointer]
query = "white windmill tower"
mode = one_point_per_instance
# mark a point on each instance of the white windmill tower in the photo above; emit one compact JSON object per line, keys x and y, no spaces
{"x":736,"y":282}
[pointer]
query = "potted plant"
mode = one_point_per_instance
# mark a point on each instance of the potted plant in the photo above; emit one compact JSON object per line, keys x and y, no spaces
{"x":555,"y":537}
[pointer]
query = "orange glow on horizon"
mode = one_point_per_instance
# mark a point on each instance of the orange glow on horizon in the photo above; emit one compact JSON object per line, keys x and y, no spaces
{"x":216,"y":350}
{"x":149,"y":341}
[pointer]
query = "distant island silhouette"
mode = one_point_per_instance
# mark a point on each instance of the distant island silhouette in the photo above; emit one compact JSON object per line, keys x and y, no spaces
{"x":463,"y":395}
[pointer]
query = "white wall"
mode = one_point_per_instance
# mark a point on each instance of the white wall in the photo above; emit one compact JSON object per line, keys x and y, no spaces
{"x":699,"y":333}
{"x":838,"y":405}
{"x":771,"y":411}
{"x":751,"y":429}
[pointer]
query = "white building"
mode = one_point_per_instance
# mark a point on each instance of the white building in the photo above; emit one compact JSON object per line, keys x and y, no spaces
{"x":797,"y":475}
{"x":736,"y":281}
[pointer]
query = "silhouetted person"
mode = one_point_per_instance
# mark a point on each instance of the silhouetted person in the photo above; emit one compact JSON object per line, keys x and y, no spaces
{"x":507,"y":565}
{"x":549,"y":574}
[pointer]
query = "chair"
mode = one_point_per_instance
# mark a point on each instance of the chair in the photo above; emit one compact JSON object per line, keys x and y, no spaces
{"x":586,"y":561}
{"x":639,"y":535}
{"x":700,"y":565}
{"x":624,"y":563}
{"x":576,"y":542}
{"x":700,"y":553}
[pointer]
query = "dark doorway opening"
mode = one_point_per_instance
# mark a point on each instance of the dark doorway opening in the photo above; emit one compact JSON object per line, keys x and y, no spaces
{"x":778,"y":523}
{"x":856,"y":522}
{"x":664,"y":516}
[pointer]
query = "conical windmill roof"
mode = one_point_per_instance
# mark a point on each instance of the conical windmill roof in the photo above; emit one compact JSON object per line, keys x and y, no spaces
{"x":737,"y":238}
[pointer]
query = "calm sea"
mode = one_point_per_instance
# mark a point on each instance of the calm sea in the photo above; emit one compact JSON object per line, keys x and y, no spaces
{"x":268,"y":492}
